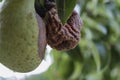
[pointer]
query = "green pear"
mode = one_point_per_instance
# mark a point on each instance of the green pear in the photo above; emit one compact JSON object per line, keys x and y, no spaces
{"x":19,"y":31}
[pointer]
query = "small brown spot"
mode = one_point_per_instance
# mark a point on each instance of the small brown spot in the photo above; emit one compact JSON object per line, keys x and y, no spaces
{"x":29,"y":16}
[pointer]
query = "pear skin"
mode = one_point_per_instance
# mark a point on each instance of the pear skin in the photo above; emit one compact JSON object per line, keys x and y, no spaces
{"x":19,"y":31}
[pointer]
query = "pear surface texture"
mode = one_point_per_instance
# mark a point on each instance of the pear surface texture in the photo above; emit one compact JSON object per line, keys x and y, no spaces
{"x":19,"y":33}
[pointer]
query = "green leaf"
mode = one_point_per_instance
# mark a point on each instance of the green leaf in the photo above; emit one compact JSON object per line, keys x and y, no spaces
{"x":105,"y":55}
{"x":89,"y":49}
{"x":96,"y":55}
{"x":40,"y":3}
{"x":77,"y":71}
{"x":65,"y":8}
{"x":75,"y":54}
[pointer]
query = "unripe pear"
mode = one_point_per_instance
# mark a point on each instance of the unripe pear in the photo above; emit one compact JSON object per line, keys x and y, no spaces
{"x":19,"y":34}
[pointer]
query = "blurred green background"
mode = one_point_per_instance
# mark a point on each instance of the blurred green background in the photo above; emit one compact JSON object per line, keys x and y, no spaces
{"x":97,"y":57}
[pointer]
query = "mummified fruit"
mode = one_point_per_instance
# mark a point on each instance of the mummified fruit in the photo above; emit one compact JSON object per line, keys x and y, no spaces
{"x":59,"y":36}
{"x":19,"y":33}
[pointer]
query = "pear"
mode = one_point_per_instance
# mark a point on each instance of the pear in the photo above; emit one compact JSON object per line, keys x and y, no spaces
{"x":19,"y":34}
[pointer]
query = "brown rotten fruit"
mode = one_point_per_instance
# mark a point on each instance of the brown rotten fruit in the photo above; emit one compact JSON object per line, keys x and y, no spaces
{"x":59,"y":36}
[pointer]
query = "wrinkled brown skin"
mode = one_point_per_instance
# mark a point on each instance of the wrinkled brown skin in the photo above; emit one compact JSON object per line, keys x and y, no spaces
{"x":42,"y":36}
{"x":59,"y":36}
